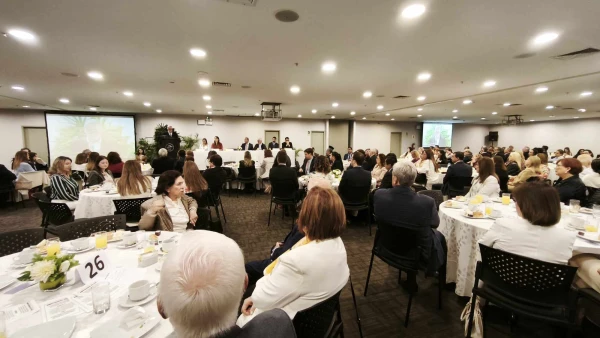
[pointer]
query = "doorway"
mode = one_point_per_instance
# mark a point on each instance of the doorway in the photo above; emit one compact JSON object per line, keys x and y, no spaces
{"x":269,"y":134}
{"x":35,"y":139}
{"x":317,"y":141}
{"x":396,"y":143}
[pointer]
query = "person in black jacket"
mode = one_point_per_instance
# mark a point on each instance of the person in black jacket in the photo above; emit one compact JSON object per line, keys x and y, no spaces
{"x":309,"y":162}
{"x":336,"y":160}
{"x":458,"y":168}
{"x":386,"y":182}
{"x":259,"y":145}
{"x":180,"y":161}
{"x":501,"y":173}
{"x":274,"y":144}
{"x":287,"y":144}
{"x":513,"y":165}
{"x":247,"y":145}
{"x":569,"y":185}
{"x":215,"y":175}
{"x":284,"y":181}
{"x":288,"y":162}
{"x":355,"y":180}
{"x":7,"y":179}
{"x":162,"y":163}
{"x":171,"y":133}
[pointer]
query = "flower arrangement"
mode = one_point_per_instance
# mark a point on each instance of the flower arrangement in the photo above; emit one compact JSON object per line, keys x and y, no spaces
{"x":49,"y":271}
{"x":337,"y":173}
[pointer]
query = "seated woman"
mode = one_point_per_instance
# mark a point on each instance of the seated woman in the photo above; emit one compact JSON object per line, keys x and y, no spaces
{"x":91,"y":161}
{"x":513,"y":165}
{"x":37,"y":162}
{"x":322,"y":175}
{"x":315,"y":269}
{"x":545,"y":171}
{"x":486,"y":183}
{"x":133,"y":184}
{"x":379,"y":169}
{"x":569,"y":185}
{"x":265,"y":168}
{"x":428,"y":167}
{"x":536,"y":233}
{"x":171,"y":209}
{"x":210,"y":154}
{"x":531,"y":172}
{"x":217,"y":144}
{"x":100,"y":173}
{"x":21,"y":163}
{"x":501,"y":173}
{"x":80,"y":162}
{"x":247,"y":169}
{"x":336,"y":161}
{"x":141,"y":156}
{"x":115,"y":164}
{"x":194,"y":181}
{"x":7,"y":183}
{"x":64,"y":188}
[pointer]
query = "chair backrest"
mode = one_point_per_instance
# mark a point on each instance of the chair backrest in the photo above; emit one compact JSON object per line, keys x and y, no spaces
{"x":285,"y":188}
{"x":437,"y":196}
{"x":398,"y":245}
{"x":87,"y":226}
{"x":421,"y":179}
{"x":355,"y":194}
{"x":247,"y":172}
{"x":593,"y":196}
{"x":229,"y":173}
{"x":130,"y":207}
{"x":15,"y":241}
{"x":56,"y":213}
{"x":319,"y":320}
{"x":203,"y":198}
{"x":48,"y":191}
{"x":458,"y":184}
{"x":524,"y":279}
{"x":40,"y":196}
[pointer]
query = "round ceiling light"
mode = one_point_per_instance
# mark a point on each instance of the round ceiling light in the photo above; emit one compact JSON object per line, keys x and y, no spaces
{"x":545,"y":38}
{"x":421,"y":98}
{"x":295,"y":89}
{"x":197,"y":53}
{"x":379,"y":107}
{"x":314,"y":111}
{"x":423,"y":76}
{"x":352,"y":113}
{"x":159,"y":110}
{"x":506,"y":104}
{"x":95,"y":75}
{"x":21,"y":35}
{"x":64,"y":100}
{"x":299,"y":115}
{"x":328,"y":67}
{"x":367,"y":94}
{"x":204,"y":83}
{"x":18,"y":87}
{"x":147,"y":104}
{"x":467,"y":102}
{"x":413,"y":11}
{"x":586,"y":94}
{"x":206,"y":98}
{"x":128,"y":93}
{"x":287,"y":15}
{"x":335,"y":104}
{"x":541,"y":89}
{"x":490,"y":83}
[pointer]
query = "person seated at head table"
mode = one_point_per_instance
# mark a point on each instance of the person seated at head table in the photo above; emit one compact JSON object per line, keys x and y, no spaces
{"x":217,"y":143}
{"x":204,"y":146}
{"x":259,"y":145}
{"x":181,"y":154}
{"x":115,"y":164}
{"x":593,"y":180}
{"x":336,"y":161}
{"x":171,"y":209}
{"x":531,"y":172}
{"x":209,"y":308}
{"x":163,"y":162}
{"x":247,"y":145}
{"x":20,"y":163}
{"x":322,"y":175}
{"x":287,"y":144}
{"x":486,"y":182}
{"x":274,"y":144}
{"x":569,"y":185}
{"x":536,"y":233}
{"x":65,"y":188}
{"x":301,"y":277}
{"x":133,"y":184}
{"x":100,"y":173}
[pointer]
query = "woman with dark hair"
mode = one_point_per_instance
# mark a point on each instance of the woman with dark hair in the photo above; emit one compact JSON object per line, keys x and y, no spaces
{"x":181,"y":155}
{"x":21,"y":163}
{"x":91,"y":161}
{"x":171,"y":209}
{"x":535,"y":233}
{"x":80,"y":162}
{"x":336,"y":161}
{"x":115,"y":164}
{"x":441,"y":157}
{"x":217,"y":144}
{"x":37,"y":162}
{"x":64,"y":187}
{"x":210,"y":154}
{"x":379,"y":169}
{"x":322,"y":175}
{"x":569,"y":185}
{"x":501,"y":172}
{"x":141,"y":156}
{"x":567,"y":152}
{"x":204,"y":145}
{"x":100,"y":173}
{"x":133,"y":183}
{"x":428,"y":167}
{"x":486,"y":183}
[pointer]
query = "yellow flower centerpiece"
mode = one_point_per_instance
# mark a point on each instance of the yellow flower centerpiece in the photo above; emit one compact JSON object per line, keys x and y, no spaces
{"x":50,"y":271}
{"x":337,"y":173}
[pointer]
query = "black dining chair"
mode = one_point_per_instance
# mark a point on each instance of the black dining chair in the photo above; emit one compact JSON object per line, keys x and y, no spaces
{"x":53,"y":214}
{"x":286,"y":194}
{"x":320,"y":320}
{"x":85,"y":227}
{"x":457,"y":186}
{"x":358,"y":199}
{"x":15,"y":241}
{"x":526,"y":287}
{"x":229,"y":178}
{"x":246,"y":175}
{"x":131,"y":208}
{"x":437,"y":196}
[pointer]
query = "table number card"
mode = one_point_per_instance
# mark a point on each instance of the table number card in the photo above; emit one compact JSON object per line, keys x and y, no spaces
{"x":97,"y":267}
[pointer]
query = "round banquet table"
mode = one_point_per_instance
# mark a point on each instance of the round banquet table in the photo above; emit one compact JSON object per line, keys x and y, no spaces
{"x":462,"y":235}
{"x":303,"y":181}
{"x":125,"y":259}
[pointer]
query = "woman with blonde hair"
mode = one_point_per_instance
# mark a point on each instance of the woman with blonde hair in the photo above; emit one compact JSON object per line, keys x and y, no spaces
{"x":133,"y":183}
{"x":64,"y":187}
{"x":21,"y":163}
{"x":544,"y":165}
{"x":531,"y":171}
{"x":513,"y":164}
{"x":414,"y":156}
{"x":247,"y":168}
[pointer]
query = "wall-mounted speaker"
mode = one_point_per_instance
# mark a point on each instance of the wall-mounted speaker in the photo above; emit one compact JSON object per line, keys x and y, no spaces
{"x":493,"y":136}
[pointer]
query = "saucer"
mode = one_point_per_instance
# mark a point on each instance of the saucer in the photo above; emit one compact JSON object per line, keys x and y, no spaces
{"x":125,"y":246}
{"x":73,"y":250}
{"x":124,"y":301}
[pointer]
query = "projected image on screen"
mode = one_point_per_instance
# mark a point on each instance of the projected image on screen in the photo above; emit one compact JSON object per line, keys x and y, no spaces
{"x":437,"y":134}
{"x":70,"y":134}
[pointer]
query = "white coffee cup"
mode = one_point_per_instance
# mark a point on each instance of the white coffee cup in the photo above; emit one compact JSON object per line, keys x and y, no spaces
{"x":25,"y":256}
{"x":169,"y":245}
{"x":129,"y":238}
{"x":140,"y":290}
{"x":81,"y":243}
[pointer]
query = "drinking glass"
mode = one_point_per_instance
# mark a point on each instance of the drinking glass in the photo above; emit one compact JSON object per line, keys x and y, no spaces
{"x":574,"y":206}
{"x":2,"y":325}
{"x":479,"y":198}
{"x":591,"y":224}
{"x":505,"y":199}
{"x":101,"y":240}
{"x":53,"y":246}
{"x":141,"y":238}
{"x":101,"y":297}
{"x":489,"y":207}
{"x":596,"y":210}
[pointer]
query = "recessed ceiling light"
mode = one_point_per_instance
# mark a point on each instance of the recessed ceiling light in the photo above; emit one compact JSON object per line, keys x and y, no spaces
{"x":545,"y":38}
{"x":413,"y":11}
{"x":387,"y":114}
{"x":494,"y":113}
{"x":549,"y":107}
{"x":364,"y":118}
{"x":581,"y":110}
{"x":506,"y":104}
{"x":576,"y":117}
{"x":531,"y":120}
{"x":333,"y":117}
{"x":128,"y":93}
{"x":147,"y":104}
{"x":204,"y":83}
{"x":454,"y":117}
{"x":18,"y":87}
{"x":198,"y":53}
{"x":421,"y":98}
{"x":25,"y":106}
{"x":209,"y":113}
{"x":328,"y":67}
{"x":420,"y":109}
{"x":380,"y":107}
{"x":159,"y":110}
{"x":95,"y":75}
{"x":352,"y":113}
{"x":392,"y":119}
{"x":208,"y":106}
{"x":367,"y":94}
{"x":586,"y":94}
{"x":299,"y":115}
{"x":21,"y":35}
{"x":335,"y":104}
{"x":541,"y":89}
{"x":455,"y":111}
{"x":93,"y":108}
{"x":467,"y":102}
{"x":256,"y":114}
{"x":423,"y":76}
{"x":551,"y":116}
{"x":206,"y":98}
{"x":490,"y":83}
{"x":295,"y":89}
{"x":314,"y":111}
{"x":64,"y":100}
{"x":483,"y":118}
{"x":419,"y":115}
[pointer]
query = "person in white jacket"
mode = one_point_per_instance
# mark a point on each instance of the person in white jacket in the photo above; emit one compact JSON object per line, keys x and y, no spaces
{"x":428,"y":166}
{"x":486,"y":183}
{"x":315,"y":269}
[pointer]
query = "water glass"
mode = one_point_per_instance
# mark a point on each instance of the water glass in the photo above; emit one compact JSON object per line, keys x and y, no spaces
{"x":53,"y":246}
{"x":141,"y":238}
{"x":596,"y":210}
{"x":574,"y":206}
{"x":101,"y":297}
{"x":101,"y":240}
{"x":591,"y":224}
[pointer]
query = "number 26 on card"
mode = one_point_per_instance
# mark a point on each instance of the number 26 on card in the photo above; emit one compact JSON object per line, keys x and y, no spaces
{"x":97,"y":266}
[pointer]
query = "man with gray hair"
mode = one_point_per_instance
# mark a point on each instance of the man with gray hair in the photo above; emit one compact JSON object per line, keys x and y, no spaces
{"x":402,"y":207}
{"x":202,"y":284}
{"x":586,"y":163}
{"x":259,"y":145}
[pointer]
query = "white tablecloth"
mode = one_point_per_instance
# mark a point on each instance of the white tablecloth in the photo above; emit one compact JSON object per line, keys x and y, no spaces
{"x":236,"y":156}
{"x":259,"y":172}
{"x":37,"y":178}
{"x":87,"y":322}
{"x":462,"y":235}
{"x":303,"y":181}
{"x":99,"y":203}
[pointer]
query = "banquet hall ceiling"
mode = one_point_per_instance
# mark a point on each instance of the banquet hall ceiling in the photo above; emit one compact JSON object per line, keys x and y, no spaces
{"x":143,"y":46}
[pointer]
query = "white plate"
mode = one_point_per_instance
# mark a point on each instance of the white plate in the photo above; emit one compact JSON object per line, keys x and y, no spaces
{"x":124,"y":301}
{"x":590,"y":236}
{"x":71,"y":249}
{"x":471,"y":217}
{"x":124,"y":246}
{"x":61,"y":328}
{"x":110,"y":330}
{"x":585,"y":211}
{"x":6,"y":281}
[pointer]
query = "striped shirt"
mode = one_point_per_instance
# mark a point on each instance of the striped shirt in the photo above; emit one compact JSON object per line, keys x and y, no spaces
{"x":64,"y":188}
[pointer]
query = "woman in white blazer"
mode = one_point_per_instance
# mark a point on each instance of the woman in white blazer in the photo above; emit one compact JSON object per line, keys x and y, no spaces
{"x":486,"y":183}
{"x":316,"y":267}
{"x":428,"y":166}
{"x":537,"y":232}
{"x":267,"y":163}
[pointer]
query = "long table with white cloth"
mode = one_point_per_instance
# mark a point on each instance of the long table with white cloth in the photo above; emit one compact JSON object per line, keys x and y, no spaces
{"x":238,"y":155}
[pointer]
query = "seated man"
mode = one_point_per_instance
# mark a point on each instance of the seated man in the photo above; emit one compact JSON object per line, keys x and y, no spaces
{"x":356,"y":181}
{"x":458,"y":168}
{"x":255,"y":269}
{"x":401,"y":206}
{"x":215,"y":176}
{"x":202,"y":286}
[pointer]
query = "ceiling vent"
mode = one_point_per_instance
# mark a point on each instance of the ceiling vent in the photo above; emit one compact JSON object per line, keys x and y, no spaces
{"x":218,"y":110}
{"x":568,"y":108}
{"x":401,"y":97}
{"x":221,"y":84}
{"x":511,"y":105}
{"x":576,"y":54}
{"x":287,"y":15}
{"x":524,"y":56}
{"x":242,"y":2}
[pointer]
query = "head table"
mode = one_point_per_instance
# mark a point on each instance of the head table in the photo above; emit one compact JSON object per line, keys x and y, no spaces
{"x":238,"y":155}
{"x":462,"y":235}
{"x":125,"y":271}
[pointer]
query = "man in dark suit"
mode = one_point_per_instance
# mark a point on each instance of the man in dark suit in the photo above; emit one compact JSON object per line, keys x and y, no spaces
{"x":287,"y":144}
{"x":274,"y":144}
{"x":386,"y":182}
{"x":308,"y":166}
{"x":284,"y":181}
{"x":348,"y":156}
{"x":458,"y":168}
{"x":170,"y":132}
{"x":401,"y":206}
{"x":468,"y":156}
{"x":259,"y":145}
{"x":247,"y":145}
{"x":355,"y":181}
{"x":162,"y":163}
{"x":215,"y":175}
{"x":180,"y":161}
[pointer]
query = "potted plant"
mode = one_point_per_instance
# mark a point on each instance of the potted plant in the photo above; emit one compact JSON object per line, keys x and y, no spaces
{"x":50,"y":271}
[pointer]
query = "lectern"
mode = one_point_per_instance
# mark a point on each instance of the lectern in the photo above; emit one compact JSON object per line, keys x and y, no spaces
{"x":171,"y":144}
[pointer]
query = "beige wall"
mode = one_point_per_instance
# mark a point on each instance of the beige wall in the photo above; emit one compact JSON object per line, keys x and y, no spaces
{"x":12,"y":122}
{"x":338,"y":136}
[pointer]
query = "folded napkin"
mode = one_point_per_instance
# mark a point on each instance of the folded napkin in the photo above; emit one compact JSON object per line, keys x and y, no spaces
{"x":133,"y":317}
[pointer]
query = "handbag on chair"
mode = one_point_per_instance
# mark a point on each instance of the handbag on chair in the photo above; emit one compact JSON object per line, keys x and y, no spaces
{"x":477,"y":330}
